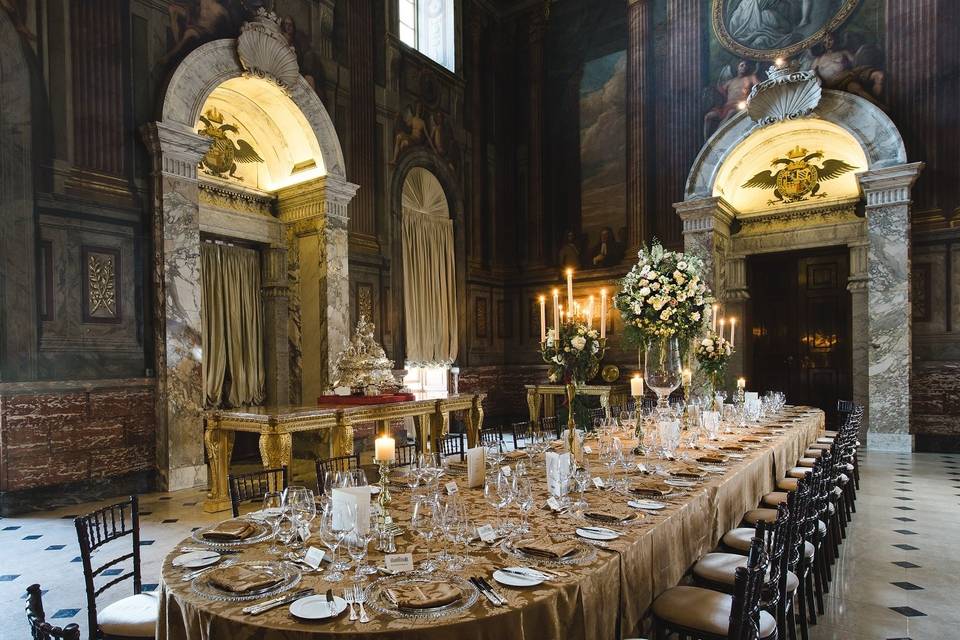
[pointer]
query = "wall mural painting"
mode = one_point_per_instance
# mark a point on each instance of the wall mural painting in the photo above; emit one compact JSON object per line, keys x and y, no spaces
{"x":603,"y":162}
{"x":225,"y":153}
{"x":418,"y":126}
{"x":798,"y":177}
{"x":839,"y":39}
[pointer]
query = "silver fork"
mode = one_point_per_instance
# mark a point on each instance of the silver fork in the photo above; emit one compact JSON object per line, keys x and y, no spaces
{"x":187,"y":577}
{"x":348,"y":596}
{"x":360,"y":596}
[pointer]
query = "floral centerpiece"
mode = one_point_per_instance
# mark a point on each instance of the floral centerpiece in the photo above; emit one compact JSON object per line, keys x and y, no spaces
{"x":712,"y":353}
{"x":663,"y":296}
{"x":574,"y":355}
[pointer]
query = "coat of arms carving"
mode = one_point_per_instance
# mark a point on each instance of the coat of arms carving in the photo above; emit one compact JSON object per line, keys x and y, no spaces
{"x":798,"y":177}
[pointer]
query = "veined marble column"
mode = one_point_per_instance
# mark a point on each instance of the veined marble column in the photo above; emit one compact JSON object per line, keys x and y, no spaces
{"x":887,"y":192}
{"x":858,"y":285}
{"x":316,"y":215}
{"x":177,"y":327}
{"x":276,"y":316}
{"x":639,"y":137}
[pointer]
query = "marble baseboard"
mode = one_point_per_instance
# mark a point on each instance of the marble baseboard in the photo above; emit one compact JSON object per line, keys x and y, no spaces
{"x":65,"y":495}
{"x":889,"y":441}
{"x":186,"y":477}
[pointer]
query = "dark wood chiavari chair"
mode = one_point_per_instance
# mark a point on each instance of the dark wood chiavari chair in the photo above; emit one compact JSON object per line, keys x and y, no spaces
{"x":490,"y":435}
{"x":521,"y":434}
{"x":550,"y":424}
{"x":134,"y":616}
{"x":451,"y":444}
{"x":406,"y":454}
{"x":40,"y":629}
{"x":248,"y":487}
{"x":338,"y":463}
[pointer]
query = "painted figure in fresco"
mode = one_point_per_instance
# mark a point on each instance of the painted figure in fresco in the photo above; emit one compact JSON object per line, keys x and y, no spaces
{"x":608,"y":251}
{"x":193,"y":22}
{"x":411,"y":130}
{"x":569,"y":256}
{"x":224,"y":153}
{"x":839,"y":68}
{"x":729,"y":96}
{"x":760,"y":24}
{"x":16,"y":9}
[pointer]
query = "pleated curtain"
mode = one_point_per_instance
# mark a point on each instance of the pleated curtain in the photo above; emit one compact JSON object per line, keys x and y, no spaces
{"x":232,"y":320}
{"x":429,"y":274}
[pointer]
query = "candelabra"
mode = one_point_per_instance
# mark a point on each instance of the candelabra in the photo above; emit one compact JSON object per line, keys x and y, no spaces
{"x":384,"y":498}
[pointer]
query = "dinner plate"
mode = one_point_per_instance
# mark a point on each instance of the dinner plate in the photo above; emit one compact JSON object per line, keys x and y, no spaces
{"x":597,"y":533}
{"x":263,"y":514}
{"x":513,"y":580}
{"x":317,"y":607}
{"x":686,"y":484}
{"x":650,"y":505}
{"x":196,"y":559}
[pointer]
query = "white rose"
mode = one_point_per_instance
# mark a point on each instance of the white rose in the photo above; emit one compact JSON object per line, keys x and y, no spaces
{"x":578,"y":343}
{"x":655,"y":286}
{"x":695,"y":316}
{"x":706,"y":342}
{"x":682,"y":265}
{"x":644,"y":292}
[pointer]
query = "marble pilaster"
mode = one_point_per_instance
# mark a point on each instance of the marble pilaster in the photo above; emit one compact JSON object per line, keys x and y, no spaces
{"x":858,"y":285}
{"x":273,"y":265}
{"x":176,"y":239}
{"x":888,"y":200}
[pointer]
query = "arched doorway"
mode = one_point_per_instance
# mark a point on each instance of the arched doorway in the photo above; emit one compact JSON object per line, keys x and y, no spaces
{"x":292,"y":205}
{"x":861,"y":206}
{"x":429,"y":281}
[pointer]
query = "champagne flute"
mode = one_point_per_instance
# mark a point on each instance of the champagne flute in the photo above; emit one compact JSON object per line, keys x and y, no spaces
{"x":272,"y":510}
{"x":331,"y":534}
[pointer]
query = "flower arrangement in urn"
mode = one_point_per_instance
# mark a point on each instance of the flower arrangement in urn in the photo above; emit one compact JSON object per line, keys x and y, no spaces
{"x":574,"y":355}
{"x":712,"y":353}
{"x":663,"y":296}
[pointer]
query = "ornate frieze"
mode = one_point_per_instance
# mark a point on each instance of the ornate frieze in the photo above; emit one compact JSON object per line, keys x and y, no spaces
{"x":241,"y":201}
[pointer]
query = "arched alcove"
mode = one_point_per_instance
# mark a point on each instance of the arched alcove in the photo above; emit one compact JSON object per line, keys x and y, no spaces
{"x":300,"y":190}
{"x":733,"y":209}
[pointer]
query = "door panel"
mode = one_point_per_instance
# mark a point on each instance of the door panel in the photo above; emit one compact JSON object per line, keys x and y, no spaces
{"x":800,"y":326}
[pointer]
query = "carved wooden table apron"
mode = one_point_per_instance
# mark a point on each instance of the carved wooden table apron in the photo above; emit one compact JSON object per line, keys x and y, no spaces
{"x":276,"y":426}
{"x":543,"y":396}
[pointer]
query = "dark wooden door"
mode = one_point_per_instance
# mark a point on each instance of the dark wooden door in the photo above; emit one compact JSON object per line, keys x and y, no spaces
{"x":799,"y":337}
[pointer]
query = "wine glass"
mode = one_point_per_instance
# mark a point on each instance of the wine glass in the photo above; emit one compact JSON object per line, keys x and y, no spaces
{"x":581,"y":478}
{"x":272,"y":510}
{"x":669,"y":437}
{"x":422,"y":521}
{"x":662,"y":369}
{"x":524,"y":498}
{"x":333,"y":529}
{"x":302,"y":504}
{"x":497,"y":493}
{"x":358,"y":477}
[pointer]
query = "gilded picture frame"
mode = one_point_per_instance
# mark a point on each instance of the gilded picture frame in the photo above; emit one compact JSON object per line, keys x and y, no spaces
{"x":767,"y":30}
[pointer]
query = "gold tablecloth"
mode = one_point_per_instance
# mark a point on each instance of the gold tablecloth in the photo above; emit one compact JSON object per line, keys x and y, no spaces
{"x":603,"y":599}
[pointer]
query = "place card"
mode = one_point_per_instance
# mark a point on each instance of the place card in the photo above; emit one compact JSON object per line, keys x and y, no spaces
{"x":598,"y":482}
{"x":313,"y":557}
{"x":506,"y":471}
{"x":451,"y":487}
{"x":553,"y":503}
{"x":558,"y":467}
{"x":486,"y":533}
{"x":587,"y":449}
{"x":476,"y":466}
{"x":342,"y":499}
{"x":398,"y":562}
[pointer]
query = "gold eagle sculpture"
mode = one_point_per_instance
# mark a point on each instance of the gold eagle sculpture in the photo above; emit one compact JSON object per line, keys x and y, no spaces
{"x":799,"y":177}
{"x":224,"y":153}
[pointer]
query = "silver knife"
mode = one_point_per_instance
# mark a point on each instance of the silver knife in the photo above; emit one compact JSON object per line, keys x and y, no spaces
{"x":487,"y":594}
{"x":503,"y":601}
{"x":524,"y":574}
{"x":277,"y":602}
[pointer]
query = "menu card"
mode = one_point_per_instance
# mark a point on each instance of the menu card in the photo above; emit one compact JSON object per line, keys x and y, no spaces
{"x":476,"y":466}
{"x":558,"y":466}
{"x":344,"y":497}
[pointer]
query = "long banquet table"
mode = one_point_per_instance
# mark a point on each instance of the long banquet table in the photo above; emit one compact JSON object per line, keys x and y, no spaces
{"x":606,"y":597}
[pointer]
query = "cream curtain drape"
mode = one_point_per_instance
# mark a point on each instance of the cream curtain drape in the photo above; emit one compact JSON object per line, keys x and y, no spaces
{"x":232,"y":325}
{"x":429,"y":275}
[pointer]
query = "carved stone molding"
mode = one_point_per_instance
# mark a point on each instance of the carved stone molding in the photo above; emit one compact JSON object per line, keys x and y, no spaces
{"x":179,"y":150}
{"x":889,"y":186}
{"x":264,"y":52}
{"x":705,"y":214}
{"x":787,"y":94}
{"x":222,"y":197}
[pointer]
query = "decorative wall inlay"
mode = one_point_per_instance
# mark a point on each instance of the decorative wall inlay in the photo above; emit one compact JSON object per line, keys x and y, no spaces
{"x":45,"y":276}
{"x":505,"y":319}
{"x":481,"y":317}
{"x":365,"y":301}
{"x":922,"y":291}
{"x":101,"y":285}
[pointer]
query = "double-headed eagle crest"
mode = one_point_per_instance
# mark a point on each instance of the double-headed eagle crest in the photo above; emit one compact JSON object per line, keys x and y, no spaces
{"x":224,"y":153}
{"x":799,"y":178}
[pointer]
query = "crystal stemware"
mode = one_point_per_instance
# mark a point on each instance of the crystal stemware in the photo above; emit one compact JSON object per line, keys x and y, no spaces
{"x":272,"y":510}
{"x":662,"y":369}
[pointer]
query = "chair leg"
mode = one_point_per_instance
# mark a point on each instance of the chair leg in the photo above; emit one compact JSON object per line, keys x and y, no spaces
{"x":802,"y":617}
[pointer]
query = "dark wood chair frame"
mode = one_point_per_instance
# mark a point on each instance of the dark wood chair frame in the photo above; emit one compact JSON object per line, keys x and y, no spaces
{"x":40,"y":629}
{"x":339,"y":463}
{"x":251,"y":486}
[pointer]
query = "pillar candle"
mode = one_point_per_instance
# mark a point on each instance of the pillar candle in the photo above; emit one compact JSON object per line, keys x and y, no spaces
{"x":741,"y":384}
{"x":385,"y":449}
{"x":713,"y":320}
{"x":733,"y":325}
{"x":603,"y":313}
{"x":543,"y":319}
{"x":636,"y":386}
{"x":556,"y":312}
{"x":569,"y":288}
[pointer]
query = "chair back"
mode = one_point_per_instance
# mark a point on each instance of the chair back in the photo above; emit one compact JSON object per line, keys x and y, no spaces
{"x":339,"y":463}
{"x":451,"y":445}
{"x":490,"y":435}
{"x":550,"y":424}
{"x":95,"y":530}
{"x":40,"y":629}
{"x":246,"y":487}
{"x":521,"y":433}
{"x":406,"y":454}
{"x":747,"y":591}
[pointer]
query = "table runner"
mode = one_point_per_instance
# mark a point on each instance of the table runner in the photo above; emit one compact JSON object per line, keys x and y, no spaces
{"x":603,"y":599}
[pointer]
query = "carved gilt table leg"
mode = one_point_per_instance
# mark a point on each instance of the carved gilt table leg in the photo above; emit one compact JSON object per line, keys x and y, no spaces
{"x":440,"y":423}
{"x":534,"y":401}
{"x":605,"y":403}
{"x":275,"y":449}
{"x":219,"y":445}
{"x":424,"y":432}
{"x":341,"y":442}
{"x":475,"y":420}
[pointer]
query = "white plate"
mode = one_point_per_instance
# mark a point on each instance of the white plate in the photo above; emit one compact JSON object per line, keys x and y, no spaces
{"x":316,"y":607}
{"x":196,"y":559}
{"x":263,"y":514}
{"x":598,"y":535}
{"x":686,"y":484}
{"x":736,"y":456}
{"x":513,"y":580}
{"x":650,"y":505}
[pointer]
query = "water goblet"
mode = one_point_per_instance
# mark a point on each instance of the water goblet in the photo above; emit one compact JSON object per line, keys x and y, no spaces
{"x":272,"y":510}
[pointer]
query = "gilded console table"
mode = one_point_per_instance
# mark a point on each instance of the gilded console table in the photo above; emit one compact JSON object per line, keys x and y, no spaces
{"x":276,"y":426}
{"x":543,"y":397}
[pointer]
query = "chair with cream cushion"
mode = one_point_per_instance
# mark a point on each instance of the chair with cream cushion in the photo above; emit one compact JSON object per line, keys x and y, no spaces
{"x":40,"y":629}
{"x":134,"y":616}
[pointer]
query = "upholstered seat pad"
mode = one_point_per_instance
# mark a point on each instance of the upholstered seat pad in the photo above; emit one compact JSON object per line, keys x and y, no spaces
{"x":721,"y":568}
{"x":788,"y":484}
{"x":820,"y":445}
{"x":703,"y":610}
{"x":756,"y":515}
{"x":133,"y":617}
{"x":741,"y":537}
{"x":825,"y":440}
{"x":775,"y":498}
{"x":813,"y":453}
{"x":798,"y":472}
{"x":806,"y":462}
{"x":830,"y":434}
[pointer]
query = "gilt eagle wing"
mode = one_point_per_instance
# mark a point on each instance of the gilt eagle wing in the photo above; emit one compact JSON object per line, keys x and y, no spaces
{"x":763,"y":180}
{"x":834,"y":168}
{"x":245,"y":153}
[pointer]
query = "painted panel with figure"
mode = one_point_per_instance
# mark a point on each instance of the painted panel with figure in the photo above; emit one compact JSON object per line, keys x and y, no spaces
{"x":603,"y":196}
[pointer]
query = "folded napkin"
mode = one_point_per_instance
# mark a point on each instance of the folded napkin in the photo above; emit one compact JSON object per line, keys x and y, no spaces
{"x":650,"y":488}
{"x":423,"y":595}
{"x":515,"y":454}
{"x":240,"y":579}
{"x":230,"y":531}
{"x":612,"y":514}
{"x":732,"y":447}
{"x":751,"y":440}
{"x":688,"y":471}
{"x":713,"y":459}
{"x":549,"y":546}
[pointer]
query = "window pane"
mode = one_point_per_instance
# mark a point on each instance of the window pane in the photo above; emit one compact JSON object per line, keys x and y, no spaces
{"x":408,"y":36}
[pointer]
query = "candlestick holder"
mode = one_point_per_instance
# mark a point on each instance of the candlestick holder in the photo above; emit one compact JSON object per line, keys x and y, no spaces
{"x":384,"y":498}
{"x":639,"y":450}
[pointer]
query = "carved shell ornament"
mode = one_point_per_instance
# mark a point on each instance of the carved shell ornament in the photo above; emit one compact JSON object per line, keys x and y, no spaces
{"x":787,"y":94}
{"x":264,"y":52}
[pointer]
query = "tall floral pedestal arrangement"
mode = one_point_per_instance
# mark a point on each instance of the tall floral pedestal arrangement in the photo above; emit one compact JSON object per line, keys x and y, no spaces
{"x":712,"y":353}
